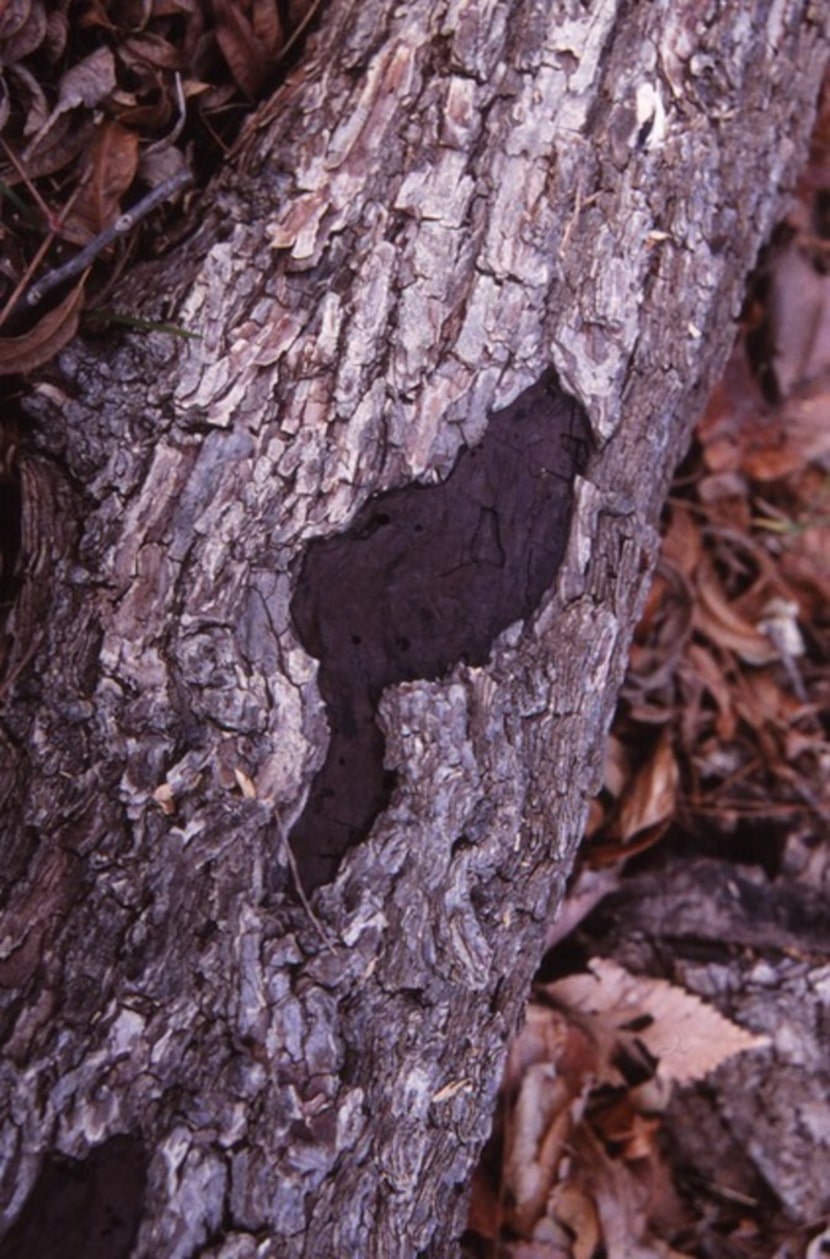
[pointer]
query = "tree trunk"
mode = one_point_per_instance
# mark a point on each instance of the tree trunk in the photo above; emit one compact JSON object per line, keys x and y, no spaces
{"x":443,"y":203}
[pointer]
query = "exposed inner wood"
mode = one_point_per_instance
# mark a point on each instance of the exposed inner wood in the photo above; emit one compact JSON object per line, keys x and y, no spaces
{"x":426,"y":576}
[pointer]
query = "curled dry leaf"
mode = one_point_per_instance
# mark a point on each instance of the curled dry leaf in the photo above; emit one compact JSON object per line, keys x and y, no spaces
{"x":244,"y":53}
{"x":267,"y":26}
{"x":735,"y":414}
{"x":160,"y":163}
{"x":717,"y":619}
{"x":72,"y":72}
{"x":682,"y":543}
{"x":111,"y":169}
{"x":627,"y":1199}
{"x":702,"y":674}
{"x":664,"y":630}
{"x":637,"y":805}
{"x":801,"y":434}
{"x":575,"y":1210}
{"x":22,"y":30}
{"x":57,"y":34}
{"x":32,"y":103}
{"x":20,"y":355}
{"x":541,"y":1124}
{"x":650,"y":798}
{"x":799,"y":316}
{"x":562,"y":1186}
{"x":149,"y":52}
{"x":770,"y":709}
{"x":590,"y":886}
{"x":86,"y":83}
{"x":58,"y":144}
{"x":13,"y":17}
{"x":539,"y":1248}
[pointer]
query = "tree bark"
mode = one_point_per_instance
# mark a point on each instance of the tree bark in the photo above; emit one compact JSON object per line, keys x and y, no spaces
{"x":445,"y":201}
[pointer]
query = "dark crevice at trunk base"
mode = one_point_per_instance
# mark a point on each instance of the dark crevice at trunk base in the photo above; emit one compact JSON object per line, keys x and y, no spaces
{"x":88,"y":1208}
{"x":427,"y":576}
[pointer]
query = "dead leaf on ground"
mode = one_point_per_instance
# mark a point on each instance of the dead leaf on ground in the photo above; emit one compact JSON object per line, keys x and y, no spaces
{"x":799,"y":316}
{"x":107,"y":119}
{"x":735,"y":413}
{"x":85,"y":83}
{"x":582,"y":1165}
{"x":20,"y":355}
{"x":650,"y":797}
{"x":717,"y":618}
{"x":267,"y":26}
{"x":246,"y":56}
{"x":56,"y":146}
{"x":701,"y":671}
{"x":111,"y":169}
{"x":22,"y":29}
{"x":687,"y":1038}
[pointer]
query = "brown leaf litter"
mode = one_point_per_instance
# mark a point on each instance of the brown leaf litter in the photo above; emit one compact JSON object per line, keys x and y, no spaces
{"x":633,"y":1123}
{"x":103,"y":103}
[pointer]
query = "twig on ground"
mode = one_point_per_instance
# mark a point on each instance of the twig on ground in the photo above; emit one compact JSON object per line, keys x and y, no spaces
{"x":122,"y":225}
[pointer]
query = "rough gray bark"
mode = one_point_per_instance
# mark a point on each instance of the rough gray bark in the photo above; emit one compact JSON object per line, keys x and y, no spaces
{"x":445,"y":200}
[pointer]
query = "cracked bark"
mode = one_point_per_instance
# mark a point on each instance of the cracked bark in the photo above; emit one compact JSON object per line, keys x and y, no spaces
{"x":443,"y":202}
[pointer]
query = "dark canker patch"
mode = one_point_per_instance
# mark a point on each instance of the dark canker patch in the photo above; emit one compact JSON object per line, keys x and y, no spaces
{"x":426,"y":576}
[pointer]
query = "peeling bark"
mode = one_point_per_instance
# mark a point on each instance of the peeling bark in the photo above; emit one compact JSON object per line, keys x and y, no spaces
{"x":444,"y":202}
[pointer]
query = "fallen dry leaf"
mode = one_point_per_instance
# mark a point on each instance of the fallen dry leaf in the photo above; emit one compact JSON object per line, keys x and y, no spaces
{"x":718,"y":620}
{"x":540,"y":1128}
{"x":701,"y":669}
{"x":686,"y":1037}
{"x":22,"y":29}
{"x":20,"y":355}
{"x":57,"y":144}
{"x":572,"y":1207}
{"x":244,"y":53}
{"x":267,"y":26}
{"x":682,"y":543}
{"x":799,"y":316}
{"x":735,"y":413}
{"x":87,"y":82}
{"x":110,"y":171}
{"x":650,"y":797}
